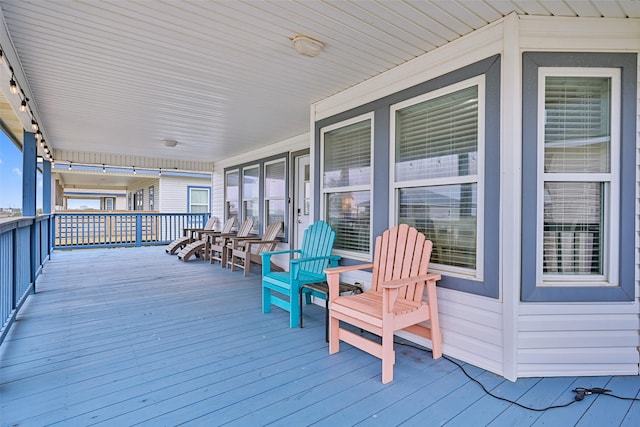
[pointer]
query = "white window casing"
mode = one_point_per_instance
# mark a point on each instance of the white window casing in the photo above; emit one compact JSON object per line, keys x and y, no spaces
{"x":578,"y":189}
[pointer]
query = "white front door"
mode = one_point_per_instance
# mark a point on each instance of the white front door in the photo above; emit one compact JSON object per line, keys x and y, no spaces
{"x":302,"y":207}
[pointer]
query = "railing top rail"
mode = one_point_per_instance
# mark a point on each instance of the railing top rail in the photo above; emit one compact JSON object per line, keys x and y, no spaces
{"x":128,"y":214}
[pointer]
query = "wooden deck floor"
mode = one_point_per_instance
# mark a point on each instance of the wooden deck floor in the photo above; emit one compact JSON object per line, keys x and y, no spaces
{"x":133,"y":336}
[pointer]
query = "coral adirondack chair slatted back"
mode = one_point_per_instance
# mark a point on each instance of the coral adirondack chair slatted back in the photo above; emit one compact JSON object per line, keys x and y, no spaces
{"x":400,"y":254}
{"x":317,"y":241}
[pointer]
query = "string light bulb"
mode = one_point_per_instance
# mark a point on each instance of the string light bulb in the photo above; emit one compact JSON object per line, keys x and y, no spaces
{"x":103,"y":168}
{"x":134,"y":170}
{"x":13,"y":86}
{"x":69,"y":165}
{"x":34,"y":125}
{"x":23,"y":105}
{"x":160,"y":171}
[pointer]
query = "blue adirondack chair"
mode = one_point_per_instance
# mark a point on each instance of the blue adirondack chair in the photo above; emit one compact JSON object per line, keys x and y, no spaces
{"x":307,"y":267}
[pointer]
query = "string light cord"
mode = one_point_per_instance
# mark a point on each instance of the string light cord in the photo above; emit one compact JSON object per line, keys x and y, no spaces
{"x":581,"y":392}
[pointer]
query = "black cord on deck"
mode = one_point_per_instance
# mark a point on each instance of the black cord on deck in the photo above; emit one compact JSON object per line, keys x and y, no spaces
{"x":580,"y":391}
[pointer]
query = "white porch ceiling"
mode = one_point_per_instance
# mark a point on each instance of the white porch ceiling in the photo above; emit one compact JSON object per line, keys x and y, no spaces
{"x":221,"y":77}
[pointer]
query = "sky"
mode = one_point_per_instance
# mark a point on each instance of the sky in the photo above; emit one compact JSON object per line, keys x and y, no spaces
{"x":11,"y":175}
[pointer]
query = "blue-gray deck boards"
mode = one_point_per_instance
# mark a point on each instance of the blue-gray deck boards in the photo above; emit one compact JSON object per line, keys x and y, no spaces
{"x":134,"y":336}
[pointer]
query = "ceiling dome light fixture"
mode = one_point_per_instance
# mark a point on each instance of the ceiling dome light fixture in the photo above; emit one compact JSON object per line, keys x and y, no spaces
{"x":169,"y":142}
{"x":307,"y":46}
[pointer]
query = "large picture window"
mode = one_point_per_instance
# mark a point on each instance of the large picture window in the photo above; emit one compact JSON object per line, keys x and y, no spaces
{"x":578,"y":175}
{"x":346,"y":184}
{"x":437,"y":147}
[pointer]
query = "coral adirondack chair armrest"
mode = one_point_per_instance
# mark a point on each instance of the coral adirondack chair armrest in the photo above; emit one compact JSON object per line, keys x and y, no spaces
{"x":398,"y":283}
{"x":333,"y":276}
{"x":390,"y":289}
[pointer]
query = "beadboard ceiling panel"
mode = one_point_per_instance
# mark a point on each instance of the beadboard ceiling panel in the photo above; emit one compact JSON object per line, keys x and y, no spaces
{"x":221,"y":77}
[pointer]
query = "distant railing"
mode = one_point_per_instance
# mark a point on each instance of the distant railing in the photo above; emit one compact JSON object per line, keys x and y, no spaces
{"x":95,"y":230}
{"x":25,"y":246}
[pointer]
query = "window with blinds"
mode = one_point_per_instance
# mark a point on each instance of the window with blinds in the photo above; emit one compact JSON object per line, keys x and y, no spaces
{"x":274,"y":192}
{"x":198,"y":200}
{"x":232,"y":194}
{"x":436,"y":169}
{"x":576,"y":180}
{"x":251,"y":196}
{"x":346,"y":183}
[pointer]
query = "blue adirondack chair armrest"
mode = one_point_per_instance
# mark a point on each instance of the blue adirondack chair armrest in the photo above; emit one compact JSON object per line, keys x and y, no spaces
{"x":290,"y":251}
{"x":266,"y":259}
{"x":295,"y":264}
{"x":333,"y":259}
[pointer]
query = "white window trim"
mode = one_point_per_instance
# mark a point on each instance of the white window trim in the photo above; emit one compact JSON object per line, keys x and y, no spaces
{"x":191,"y":204}
{"x":612,"y":193}
{"x":226,"y":186}
{"x":254,"y":228}
{"x":479,"y":81}
{"x":266,"y":198}
{"x":354,"y":188}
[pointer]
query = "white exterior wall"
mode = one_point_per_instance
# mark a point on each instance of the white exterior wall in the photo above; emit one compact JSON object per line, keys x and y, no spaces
{"x":144,"y":184}
{"x":172,"y":193}
{"x":503,"y":335}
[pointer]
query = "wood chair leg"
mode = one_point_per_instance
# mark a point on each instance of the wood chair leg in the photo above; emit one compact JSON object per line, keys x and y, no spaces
{"x":300,"y":297}
{"x":388,"y":356}
{"x":326,"y":319}
{"x":334,"y":342}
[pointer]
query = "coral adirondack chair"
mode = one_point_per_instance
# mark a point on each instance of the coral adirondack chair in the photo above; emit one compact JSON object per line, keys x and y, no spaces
{"x":188,"y":236}
{"x":247,"y":250}
{"x":394,"y":302}
{"x":197,"y":246}
{"x":308,"y":267}
{"x":218,"y":249}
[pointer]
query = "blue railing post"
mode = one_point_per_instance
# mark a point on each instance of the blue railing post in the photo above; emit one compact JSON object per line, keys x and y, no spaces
{"x":138,"y":230}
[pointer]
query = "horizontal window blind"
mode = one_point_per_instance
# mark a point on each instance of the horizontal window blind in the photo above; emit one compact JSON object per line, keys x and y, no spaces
{"x":573,"y":228}
{"x":232,"y":186}
{"x":349,"y":214}
{"x":447,"y":215}
{"x":250,"y":183}
{"x":577,"y":132}
{"x":347,"y":156}
{"x":274,"y":186}
{"x":199,"y":201}
{"x":438,"y":137}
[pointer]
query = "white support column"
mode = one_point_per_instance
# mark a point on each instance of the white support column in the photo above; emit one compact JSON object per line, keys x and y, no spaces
{"x":511,"y":189}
